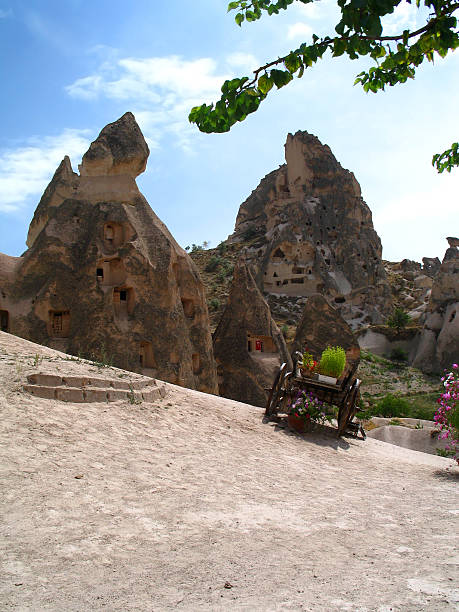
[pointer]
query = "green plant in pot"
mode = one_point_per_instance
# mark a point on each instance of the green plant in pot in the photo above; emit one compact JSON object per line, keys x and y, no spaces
{"x":308,"y":364}
{"x":332,"y":363}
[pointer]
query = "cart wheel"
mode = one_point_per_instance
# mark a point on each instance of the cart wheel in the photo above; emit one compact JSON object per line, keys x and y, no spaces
{"x":272,"y":406}
{"x":349,"y":407}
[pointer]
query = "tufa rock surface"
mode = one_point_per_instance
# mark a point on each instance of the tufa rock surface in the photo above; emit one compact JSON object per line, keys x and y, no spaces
{"x":320,"y":326}
{"x":309,"y":231}
{"x":103,"y":277}
{"x":439,"y":339}
{"x":120,"y":148}
{"x":248,"y":346}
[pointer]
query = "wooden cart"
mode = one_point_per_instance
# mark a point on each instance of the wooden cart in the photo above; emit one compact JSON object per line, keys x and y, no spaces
{"x":345,"y":395}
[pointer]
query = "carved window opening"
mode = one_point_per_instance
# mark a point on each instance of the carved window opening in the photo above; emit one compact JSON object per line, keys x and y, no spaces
{"x":327,"y":261}
{"x":59,"y":323}
{"x":4,"y":320}
{"x":146,"y":357}
{"x":339,"y":299}
{"x":275,"y":275}
{"x":285,"y":282}
{"x":298,"y":281}
{"x":123,"y":300}
{"x":452,"y":317}
{"x":188,"y":308}
{"x":297,"y":270}
{"x":309,"y":271}
{"x":196,"y":363}
{"x":279,"y":253}
{"x":260,"y":344}
{"x":116,"y":234}
{"x":111,"y":272}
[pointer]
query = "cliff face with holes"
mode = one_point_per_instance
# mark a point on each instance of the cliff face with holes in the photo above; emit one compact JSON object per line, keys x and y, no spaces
{"x":309,"y":231}
{"x":103,"y":277}
{"x":438,"y":345}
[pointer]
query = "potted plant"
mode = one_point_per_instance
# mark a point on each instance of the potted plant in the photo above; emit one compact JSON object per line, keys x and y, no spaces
{"x":304,"y":410}
{"x":308,"y":365}
{"x":332,"y":364}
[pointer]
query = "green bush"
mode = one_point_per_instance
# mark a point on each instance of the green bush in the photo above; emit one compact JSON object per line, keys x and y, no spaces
{"x":392,"y":406}
{"x":399,"y":319}
{"x":333,"y":361}
{"x":214,"y":303}
{"x":213,"y":264}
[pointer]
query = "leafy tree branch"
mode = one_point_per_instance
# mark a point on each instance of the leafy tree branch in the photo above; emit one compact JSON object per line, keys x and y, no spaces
{"x":359,"y":33}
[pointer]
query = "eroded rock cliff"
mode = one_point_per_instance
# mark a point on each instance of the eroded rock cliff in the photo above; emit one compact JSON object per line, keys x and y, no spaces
{"x":103,"y":277}
{"x":311,"y":232}
{"x":439,"y":339}
{"x":248,"y":346}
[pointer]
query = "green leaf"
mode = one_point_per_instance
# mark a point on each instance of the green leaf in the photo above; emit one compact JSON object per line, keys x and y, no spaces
{"x":292,"y":62}
{"x":280,"y":77}
{"x":239,"y":19}
{"x":265,"y":83}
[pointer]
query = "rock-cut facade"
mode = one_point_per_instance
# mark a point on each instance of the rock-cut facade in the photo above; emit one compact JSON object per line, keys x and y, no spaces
{"x":103,"y":277}
{"x":308,"y":231}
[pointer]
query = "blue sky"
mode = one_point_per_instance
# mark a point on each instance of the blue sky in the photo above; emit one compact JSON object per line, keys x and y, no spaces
{"x":69,"y":67}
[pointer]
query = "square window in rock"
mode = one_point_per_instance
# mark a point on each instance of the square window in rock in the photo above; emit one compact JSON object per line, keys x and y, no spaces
{"x":59,"y":323}
{"x":146,"y":357}
{"x":4,"y":320}
{"x":123,"y":300}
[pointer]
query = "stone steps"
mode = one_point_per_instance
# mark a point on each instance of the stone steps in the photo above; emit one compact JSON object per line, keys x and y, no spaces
{"x":81,"y":389}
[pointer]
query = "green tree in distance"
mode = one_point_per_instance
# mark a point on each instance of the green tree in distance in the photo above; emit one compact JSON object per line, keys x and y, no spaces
{"x":399,"y":319}
{"x":358,"y":33}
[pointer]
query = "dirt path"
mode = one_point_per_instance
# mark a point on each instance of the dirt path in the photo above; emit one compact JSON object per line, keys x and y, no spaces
{"x":126,"y":507}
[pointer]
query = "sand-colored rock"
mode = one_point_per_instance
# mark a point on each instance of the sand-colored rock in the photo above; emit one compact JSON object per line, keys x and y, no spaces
{"x":103,"y":276}
{"x":248,"y":346}
{"x":423,"y":439}
{"x":320,"y":326}
{"x":439,"y":339}
{"x":311,"y":232}
{"x":119,"y":149}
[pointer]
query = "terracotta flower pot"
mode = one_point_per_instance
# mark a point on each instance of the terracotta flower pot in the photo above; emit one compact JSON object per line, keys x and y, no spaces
{"x":298,"y":423}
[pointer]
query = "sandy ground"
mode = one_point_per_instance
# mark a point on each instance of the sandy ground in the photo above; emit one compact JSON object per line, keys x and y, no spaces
{"x":192,"y":503}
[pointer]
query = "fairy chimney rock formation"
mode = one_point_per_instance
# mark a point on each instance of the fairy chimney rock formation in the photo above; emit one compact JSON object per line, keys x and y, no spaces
{"x":119,"y":149}
{"x":308,"y":231}
{"x":439,"y":339}
{"x":320,"y":326}
{"x":248,"y":346}
{"x":104,"y":278}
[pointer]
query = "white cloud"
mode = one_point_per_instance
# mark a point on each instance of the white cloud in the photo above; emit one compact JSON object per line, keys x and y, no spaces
{"x":299,"y":30}
{"x":242,"y":61}
{"x":160,"y":90}
{"x":405,"y":17}
{"x":26,"y":170}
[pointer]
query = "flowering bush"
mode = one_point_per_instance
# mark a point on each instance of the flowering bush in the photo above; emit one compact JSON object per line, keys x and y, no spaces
{"x":306,"y":406}
{"x":309,"y":362}
{"x":447,"y":414}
